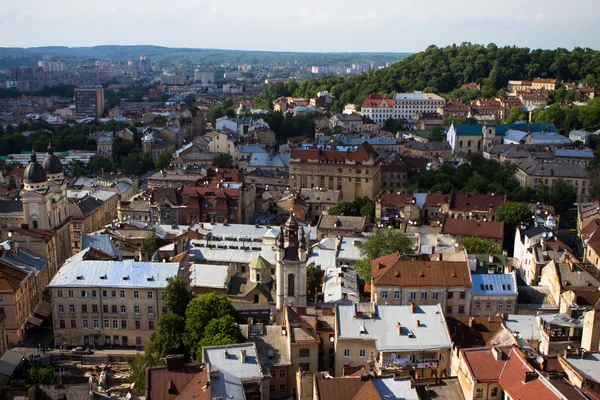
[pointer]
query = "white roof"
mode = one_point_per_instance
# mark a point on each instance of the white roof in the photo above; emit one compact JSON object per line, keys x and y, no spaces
{"x":118,"y":274}
{"x":391,"y":388}
{"x":332,"y":285}
{"x":207,"y":275}
{"x":348,"y":248}
{"x":526,"y":325}
{"x":589,"y":366}
{"x":417,"y":96}
{"x":432,"y":333}
{"x":247,"y":232}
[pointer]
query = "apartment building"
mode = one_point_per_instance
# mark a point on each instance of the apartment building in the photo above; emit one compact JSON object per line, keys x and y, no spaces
{"x":348,"y":123}
{"x":377,"y":108}
{"x":407,"y":340}
{"x":89,"y":101}
{"x":108,"y":303}
{"x":545,"y":83}
{"x":429,"y":150}
{"x":231,"y":203}
{"x":406,"y":105}
{"x":91,"y":213}
{"x":396,"y":281}
{"x":355,"y":174}
{"x":533,"y":173}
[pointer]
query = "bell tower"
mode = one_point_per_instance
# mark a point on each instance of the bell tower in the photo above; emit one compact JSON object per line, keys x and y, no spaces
{"x":290,"y":268}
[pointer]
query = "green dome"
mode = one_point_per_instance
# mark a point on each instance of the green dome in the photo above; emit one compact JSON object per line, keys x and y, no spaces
{"x":260,"y":263}
{"x":241,"y":110}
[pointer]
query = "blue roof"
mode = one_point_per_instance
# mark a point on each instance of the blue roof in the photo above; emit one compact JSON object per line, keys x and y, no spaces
{"x":549,"y":138}
{"x":501,"y":129}
{"x":585,"y":153}
{"x":101,"y":242}
{"x":514,"y":136}
{"x":494,"y":284}
{"x":468,"y":129}
{"x":251,"y":148}
{"x":265,"y":160}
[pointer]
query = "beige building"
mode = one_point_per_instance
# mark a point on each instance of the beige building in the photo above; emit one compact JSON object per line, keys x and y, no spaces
{"x":534,"y":173}
{"x":355,"y":174}
{"x":545,"y":83}
{"x":405,"y":340}
{"x":448,"y":283}
{"x":90,"y":214}
{"x":222,"y":142}
{"x":89,"y":101}
{"x":108,"y":303}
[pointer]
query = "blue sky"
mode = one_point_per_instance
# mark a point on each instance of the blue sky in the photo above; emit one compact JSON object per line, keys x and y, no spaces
{"x":309,"y":25}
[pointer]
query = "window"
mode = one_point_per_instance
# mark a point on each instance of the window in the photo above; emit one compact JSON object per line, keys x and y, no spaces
{"x":450,"y":295}
{"x":479,"y":393}
{"x":136,"y":309}
{"x":94,"y":293}
{"x":83,"y":293}
{"x":136,"y":294}
{"x":304,"y":366}
{"x":150,"y":310}
{"x":282,"y":387}
{"x":150,"y":324}
{"x":70,"y":293}
{"x":304,"y":353}
{"x":423,"y":295}
{"x":84,"y":308}
{"x":59,"y":293}
{"x":396,"y":295}
{"x":149,"y":295}
{"x":488,"y":305}
{"x":114,"y":309}
{"x":73,"y":324}
{"x":362,"y":353}
{"x":138,"y":325}
{"x":61,"y":324}
{"x":123,"y":310}
{"x":282,"y":373}
{"x":500,"y":305}
{"x":123,"y":324}
{"x":104,"y":293}
{"x":113,"y":293}
{"x":413,"y":295}
{"x":106,"y":324}
{"x":122,"y":294}
{"x":448,"y":309}
{"x":461,"y":309}
{"x":346,"y":353}
{"x":105,"y":308}
{"x":61,"y":309}
{"x":384,"y":295}
{"x":71,"y":308}
{"x":115,"y":324}
{"x":434,"y":295}
{"x":94,"y":308}
{"x":85,"y":324}
{"x":462,"y":295}
{"x":138,"y":340}
{"x":508,"y":306}
{"x":96,"y":324}
{"x":494,"y":392}
{"x":478,"y":305}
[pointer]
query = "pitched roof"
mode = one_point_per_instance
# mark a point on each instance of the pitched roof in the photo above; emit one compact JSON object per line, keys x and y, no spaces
{"x":479,"y":202}
{"x":534,"y":167}
{"x":391,"y":270}
{"x":357,"y":224}
{"x":471,"y":227}
{"x":482,"y":363}
{"x":346,"y":389}
{"x":468,"y":332}
{"x":363,"y":153}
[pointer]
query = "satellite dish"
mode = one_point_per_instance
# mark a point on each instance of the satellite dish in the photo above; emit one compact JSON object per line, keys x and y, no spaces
{"x":537,"y":212}
{"x":544,"y":234}
{"x":539,"y":359}
{"x":549,"y":234}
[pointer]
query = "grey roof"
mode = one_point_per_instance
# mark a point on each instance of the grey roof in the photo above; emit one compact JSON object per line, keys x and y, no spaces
{"x":348,"y":117}
{"x":340,"y":285}
{"x":549,"y":138}
{"x":319,"y":196}
{"x":101,"y":242}
{"x":535,"y":297}
{"x":118,"y":274}
{"x":245,"y":232}
{"x":232,"y":371}
{"x":525,"y":325}
{"x":430,"y":335}
{"x":562,"y":319}
{"x":11,"y":206}
{"x":573,"y":153}
{"x":579,"y":133}
{"x":272,"y":346}
{"x":211,"y":276}
{"x":589,"y":366}
{"x":390,"y":388}
{"x":417,"y":96}
{"x":427,"y":146}
{"x":251,"y":148}
{"x":9,"y":362}
{"x":122,"y":187}
{"x":88,"y":205}
{"x":494,"y":284}
{"x":24,"y":260}
{"x":514,"y":136}
{"x":535,"y":167}
{"x":259,"y":160}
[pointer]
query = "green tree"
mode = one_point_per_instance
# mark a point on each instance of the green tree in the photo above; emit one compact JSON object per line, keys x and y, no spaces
{"x":150,"y":244}
{"x":512,"y":214}
{"x":393,"y":125}
{"x":314,"y":278}
{"x":200,"y":312}
{"x":177,"y":295}
{"x":163,"y":160}
{"x":562,"y":196}
{"x":516,"y":114}
{"x":345,"y":208}
{"x":220,"y":331}
{"x":382,"y":242}
{"x":438,"y":134}
{"x":168,"y":336}
{"x":147,"y":359}
{"x":99,"y":164}
{"x":40,"y":374}
{"x":223,"y":161}
{"x":475,"y":245}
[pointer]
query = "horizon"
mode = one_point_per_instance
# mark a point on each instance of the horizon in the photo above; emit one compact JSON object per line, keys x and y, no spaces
{"x":335,"y":26}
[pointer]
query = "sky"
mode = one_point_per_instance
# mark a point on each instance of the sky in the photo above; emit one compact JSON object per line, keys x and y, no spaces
{"x":308,"y":25}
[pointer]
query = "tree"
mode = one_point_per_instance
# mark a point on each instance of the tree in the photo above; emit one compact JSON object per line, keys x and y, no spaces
{"x":163,"y":160}
{"x":562,"y":196}
{"x":150,"y":244}
{"x":512,"y":214}
{"x":383,"y":242}
{"x":177,"y":296}
{"x":438,"y":134}
{"x":223,"y":161}
{"x":138,"y":364}
{"x":99,"y":164}
{"x":516,"y":114}
{"x":40,"y":374}
{"x":475,"y":245}
{"x":200,"y":312}
{"x":345,"y":208}
{"x":219,"y":332}
{"x":314,"y":278}
{"x":393,"y":125}
{"x":168,"y":336}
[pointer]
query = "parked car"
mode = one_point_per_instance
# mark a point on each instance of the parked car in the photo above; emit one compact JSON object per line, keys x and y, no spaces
{"x":80,"y":350}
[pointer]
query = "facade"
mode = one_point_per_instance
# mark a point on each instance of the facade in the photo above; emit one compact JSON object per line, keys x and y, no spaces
{"x":377,"y":108}
{"x":407,"y":340}
{"x":448,"y":283}
{"x":348,"y":123}
{"x":89,"y":101}
{"x":90,"y":214}
{"x":204,"y":77}
{"x":290,"y":267}
{"x":394,"y":176}
{"x":108,"y":303}
{"x":354,"y":174}
{"x":493,"y":294}
{"x":105,"y":147}
{"x":429,"y":150}
{"x":406,"y":105}
{"x":471,"y":138}
{"x":231,"y":203}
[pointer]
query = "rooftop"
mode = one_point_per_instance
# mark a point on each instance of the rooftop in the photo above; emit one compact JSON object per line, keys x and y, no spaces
{"x":494,"y":284}
{"x":209,"y":276}
{"x":392,"y":270}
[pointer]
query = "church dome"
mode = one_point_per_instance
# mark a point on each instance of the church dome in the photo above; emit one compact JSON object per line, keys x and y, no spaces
{"x":51,"y":163}
{"x":34,"y":172}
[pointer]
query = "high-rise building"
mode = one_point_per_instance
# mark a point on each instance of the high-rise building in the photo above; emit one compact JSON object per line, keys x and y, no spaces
{"x":145,"y":65}
{"x":204,"y":77}
{"x":51,"y":66}
{"x":89,"y":101}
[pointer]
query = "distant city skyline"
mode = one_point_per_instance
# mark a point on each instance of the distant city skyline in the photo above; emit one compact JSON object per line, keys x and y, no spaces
{"x":308,"y":26}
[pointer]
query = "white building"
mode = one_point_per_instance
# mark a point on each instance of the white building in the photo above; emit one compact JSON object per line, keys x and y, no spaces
{"x":406,"y":105}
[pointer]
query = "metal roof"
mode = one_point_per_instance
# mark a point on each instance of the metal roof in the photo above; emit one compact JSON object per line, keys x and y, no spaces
{"x":417,"y":96}
{"x":207,"y":275}
{"x":430,"y":335}
{"x":391,"y":388}
{"x":259,"y":160}
{"x":585,"y":153}
{"x":101,"y":242}
{"x":340,"y":285}
{"x":494,"y":284}
{"x":526,"y":326}
{"x":125,"y":274}
{"x":562,"y":319}
{"x":588,"y":366}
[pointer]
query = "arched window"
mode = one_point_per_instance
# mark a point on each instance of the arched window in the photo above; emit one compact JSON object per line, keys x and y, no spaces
{"x":258,"y":277}
{"x":34,"y":224}
{"x":290,"y":287}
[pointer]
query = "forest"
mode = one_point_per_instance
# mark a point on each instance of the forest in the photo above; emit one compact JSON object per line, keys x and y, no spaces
{"x":444,"y":69}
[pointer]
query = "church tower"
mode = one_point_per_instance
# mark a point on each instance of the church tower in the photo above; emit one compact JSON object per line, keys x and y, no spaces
{"x":290,"y":268}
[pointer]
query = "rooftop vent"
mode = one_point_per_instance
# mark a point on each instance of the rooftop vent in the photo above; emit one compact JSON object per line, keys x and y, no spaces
{"x":150,"y":279}
{"x":79,"y":277}
{"x":104,"y":276}
{"x":126,"y":278}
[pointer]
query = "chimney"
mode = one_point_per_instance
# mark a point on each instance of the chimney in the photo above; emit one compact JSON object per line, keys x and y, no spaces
{"x":226,"y":353}
{"x":399,"y":328}
{"x":413,"y":308}
{"x":491,"y":209}
{"x":542,"y":243}
{"x":175,"y":362}
{"x":359,"y":314}
{"x":497,"y":353}
{"x":491,"y":258}
{"x":529,"y":376}
{"x":471,"y":322}
{"x":243,"y":356}
{"x":418,"y":323}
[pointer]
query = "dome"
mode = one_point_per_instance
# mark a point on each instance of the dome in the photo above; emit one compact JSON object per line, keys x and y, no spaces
{"x":34,"y":172}
{"x":51,"y":163}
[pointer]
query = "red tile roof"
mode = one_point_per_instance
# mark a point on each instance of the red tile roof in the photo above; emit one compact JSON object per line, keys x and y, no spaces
{"x":393,"y":199}
{"x":209,"y":191}
{"x":471,"y":227}
{"x":392,"y":270}
{"x":483,"y":365}
{"x":364,"y":152}
{"x":375,"y":100}
{"x":472,"y":202}
{"x":346,"y":389}
{"x":184,"y":385}
{"x":435,"y":200}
